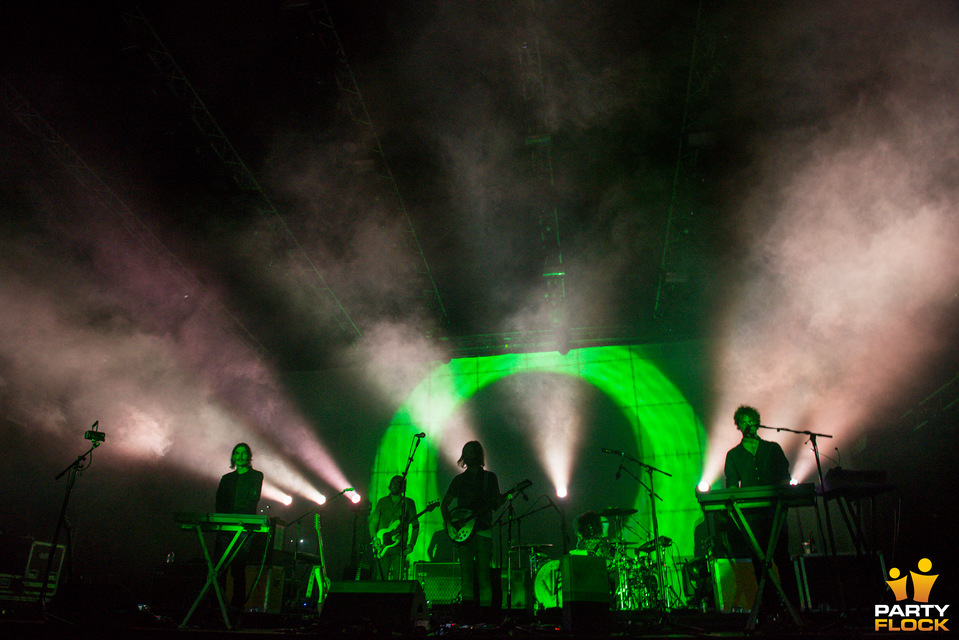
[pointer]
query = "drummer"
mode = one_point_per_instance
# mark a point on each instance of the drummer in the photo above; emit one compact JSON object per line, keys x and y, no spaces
{"x":590,"y":538}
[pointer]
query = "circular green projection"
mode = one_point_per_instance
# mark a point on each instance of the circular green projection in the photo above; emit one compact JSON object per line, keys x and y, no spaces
{"x":667,"y":431}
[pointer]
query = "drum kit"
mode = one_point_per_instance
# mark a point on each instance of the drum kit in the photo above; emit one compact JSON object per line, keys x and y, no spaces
{"x":631,"y":566}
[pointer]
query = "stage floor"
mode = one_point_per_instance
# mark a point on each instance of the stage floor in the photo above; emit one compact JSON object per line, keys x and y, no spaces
{"x":640,"y":624}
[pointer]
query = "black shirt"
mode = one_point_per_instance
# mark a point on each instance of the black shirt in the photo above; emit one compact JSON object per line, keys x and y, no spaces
{"x":239,"y":492}
{"x":768,"y":466}
{"x":477,"y":491}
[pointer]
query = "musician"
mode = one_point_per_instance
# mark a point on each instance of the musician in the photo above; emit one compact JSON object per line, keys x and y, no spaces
{"x":589,"y":526}
{"x":475,"y":491}
{"x":756,"y":462}
{"x":238,"y":492}
{"x":390,"y":512}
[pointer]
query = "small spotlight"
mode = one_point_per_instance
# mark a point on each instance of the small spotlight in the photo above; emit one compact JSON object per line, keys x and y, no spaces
{"x":320,"y":499}
{"x":794,"y":481}
{"x":561,"y":492}
{"x":287,"y":500}
{"x":355,"y":497}
{"x":703,"y":486}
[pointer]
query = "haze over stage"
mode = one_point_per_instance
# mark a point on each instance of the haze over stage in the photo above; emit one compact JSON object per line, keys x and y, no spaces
{"x":755,"y":203}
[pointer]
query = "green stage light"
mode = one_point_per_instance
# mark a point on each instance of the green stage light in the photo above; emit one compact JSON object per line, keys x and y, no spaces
{"x":669,"y":436}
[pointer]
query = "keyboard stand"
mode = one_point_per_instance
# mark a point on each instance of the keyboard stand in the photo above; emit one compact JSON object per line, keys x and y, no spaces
{"x":779,"y":519}
{"x":213,"y":570}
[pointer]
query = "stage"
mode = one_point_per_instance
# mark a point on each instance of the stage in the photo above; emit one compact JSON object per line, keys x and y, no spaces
{"x":646,"y":624}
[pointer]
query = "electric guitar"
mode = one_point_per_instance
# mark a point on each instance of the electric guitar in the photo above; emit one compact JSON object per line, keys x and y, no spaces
{"x":463,"y":519}
{"x":318,"y":575}
{"x":388,"y":537}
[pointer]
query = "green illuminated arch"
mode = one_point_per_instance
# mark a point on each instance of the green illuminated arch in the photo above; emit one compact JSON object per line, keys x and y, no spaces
{"x":667,"y":431}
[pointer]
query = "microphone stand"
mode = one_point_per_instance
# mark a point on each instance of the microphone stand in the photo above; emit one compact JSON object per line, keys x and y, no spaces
{"x":73,"y":469}
{"x":296,"y":554}
{"x":404,"y":569}
{"x":653,"y":497}
{"x":813,"y":437}
{"x":562,"y":523}
{"x":510,"y":513}
{"x":296,"y":544}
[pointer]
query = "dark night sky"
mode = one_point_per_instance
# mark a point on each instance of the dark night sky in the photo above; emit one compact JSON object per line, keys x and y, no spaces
{"x":819,"y":220}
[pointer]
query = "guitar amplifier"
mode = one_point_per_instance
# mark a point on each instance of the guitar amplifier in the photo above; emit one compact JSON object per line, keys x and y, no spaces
{"x":440,"y":580}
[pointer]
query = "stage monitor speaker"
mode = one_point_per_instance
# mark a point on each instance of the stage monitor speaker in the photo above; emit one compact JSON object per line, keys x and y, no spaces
{"x":440,"y":581}
{"x":364,"y":605}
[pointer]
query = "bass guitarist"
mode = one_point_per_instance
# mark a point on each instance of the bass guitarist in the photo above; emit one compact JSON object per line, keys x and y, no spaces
{"x":476,"y":495}
{"x":390,"y":509}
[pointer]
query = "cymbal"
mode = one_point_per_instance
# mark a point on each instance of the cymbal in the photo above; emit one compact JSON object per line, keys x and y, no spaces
{"x":531,"y":546}
{"x":617,"y":511}
{"x":651,"y":545}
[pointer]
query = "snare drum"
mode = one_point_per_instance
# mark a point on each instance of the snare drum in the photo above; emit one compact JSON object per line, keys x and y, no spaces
{"x":548,"y":586}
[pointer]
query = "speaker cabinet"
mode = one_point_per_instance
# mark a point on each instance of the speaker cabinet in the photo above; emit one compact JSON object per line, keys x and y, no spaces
{"x":267,"y":595}
{"x":734,"y":584}
{"x":863,"y":581}
{"x":388,"y":606}
{"x":440,"y":581}
{"x":586,"y":594}
{"x":518,"y":590}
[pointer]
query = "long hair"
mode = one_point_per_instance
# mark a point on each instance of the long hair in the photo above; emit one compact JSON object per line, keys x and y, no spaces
{"x":473,"y":455}
{"x":233,"y":453}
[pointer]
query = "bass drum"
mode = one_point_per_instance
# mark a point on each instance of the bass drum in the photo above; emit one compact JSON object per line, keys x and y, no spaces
{"x":548,"y":586}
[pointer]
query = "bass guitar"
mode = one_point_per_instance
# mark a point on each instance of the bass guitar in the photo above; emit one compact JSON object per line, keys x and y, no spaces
{"x":463,"y":520}
{"x":388,"y":537}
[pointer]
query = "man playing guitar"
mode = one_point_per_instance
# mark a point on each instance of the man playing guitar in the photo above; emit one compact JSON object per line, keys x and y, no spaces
{"x":476,"y":493}
{"x":389,"y":509}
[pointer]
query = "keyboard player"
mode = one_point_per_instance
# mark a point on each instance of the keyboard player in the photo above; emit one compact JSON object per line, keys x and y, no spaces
{"x":756,"y":462}
{"x":238,"y":492}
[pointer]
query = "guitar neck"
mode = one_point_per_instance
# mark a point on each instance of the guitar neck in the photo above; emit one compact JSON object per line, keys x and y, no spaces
{"x":319,"y":547}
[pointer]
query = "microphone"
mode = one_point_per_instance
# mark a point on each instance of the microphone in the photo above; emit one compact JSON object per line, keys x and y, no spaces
{"x":420,"y":435}
{"x":93,"y":435}
{"x":614,"y":452}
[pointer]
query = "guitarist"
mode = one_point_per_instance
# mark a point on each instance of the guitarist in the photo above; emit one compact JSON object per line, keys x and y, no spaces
{"x":477,"y":491}
{"x":395,"y":507}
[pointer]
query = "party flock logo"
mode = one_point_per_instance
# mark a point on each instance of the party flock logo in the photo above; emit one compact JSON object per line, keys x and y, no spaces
{"x":920,"y":616}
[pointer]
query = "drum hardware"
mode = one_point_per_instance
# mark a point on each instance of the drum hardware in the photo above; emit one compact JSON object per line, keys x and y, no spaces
{"x":636,"y":584}
{"x":535,"y":556}
{"x":662,"y":541}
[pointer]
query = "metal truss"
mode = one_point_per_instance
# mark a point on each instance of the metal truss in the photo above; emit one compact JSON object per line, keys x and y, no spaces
{"x":682,"y":233}
{"x":112,"y":209}
{"x":284,"y":240}
{"x":539,"y":142}
{"x":491,"y":344}
{"x":352,"y":103}
{"x":934,"y":406}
